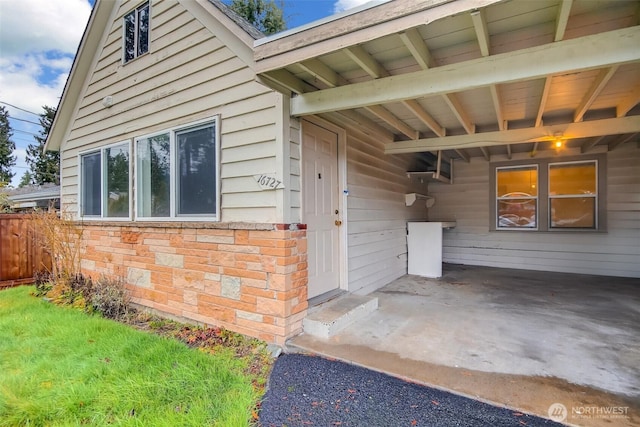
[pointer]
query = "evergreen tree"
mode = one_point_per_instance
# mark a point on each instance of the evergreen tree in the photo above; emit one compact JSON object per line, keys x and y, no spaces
{"x":27,"y":179}
{"x":5,"y":205}
{"x":265,"y":15}
{"x":44,"y":166}
{"x":7,"y":148}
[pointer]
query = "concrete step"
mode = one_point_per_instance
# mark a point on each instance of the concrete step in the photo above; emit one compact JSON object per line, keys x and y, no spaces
{"x":329,"y":318}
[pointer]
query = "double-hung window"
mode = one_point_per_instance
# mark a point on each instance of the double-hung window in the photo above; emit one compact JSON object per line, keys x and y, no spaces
{"x":177,"y":173}
{"x":517,"y":197}
{"x":136,"y":32}
{"x":549,"y":195}
{"x":104,"y":183}
{"x":573,"y":194}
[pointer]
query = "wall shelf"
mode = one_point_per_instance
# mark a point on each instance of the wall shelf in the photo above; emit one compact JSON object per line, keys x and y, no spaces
{"x":442,"y":173}
{"x":429,"y":176}
{"x":410,"y":199}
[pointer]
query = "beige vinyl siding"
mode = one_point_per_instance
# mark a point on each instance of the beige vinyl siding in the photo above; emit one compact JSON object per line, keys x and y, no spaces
{"x":376,"y":212}
{"x":615,"y":252}
{"x":188,"y":75}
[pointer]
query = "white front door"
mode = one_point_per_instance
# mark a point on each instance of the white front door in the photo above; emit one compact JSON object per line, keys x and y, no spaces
{"x":321,"y":207}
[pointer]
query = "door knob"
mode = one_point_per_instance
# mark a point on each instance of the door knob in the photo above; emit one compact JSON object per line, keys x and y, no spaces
{"x":338,"y":222}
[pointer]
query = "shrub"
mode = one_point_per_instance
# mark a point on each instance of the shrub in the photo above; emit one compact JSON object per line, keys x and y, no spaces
{"x":109,"y":297}
{"x":81,"y":284}
{"x":62,"y":237}
{"x":43,"y":281}
{"x":106,"y":296}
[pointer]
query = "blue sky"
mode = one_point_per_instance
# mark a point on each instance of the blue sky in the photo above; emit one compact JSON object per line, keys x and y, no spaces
{"x":39,"y":38}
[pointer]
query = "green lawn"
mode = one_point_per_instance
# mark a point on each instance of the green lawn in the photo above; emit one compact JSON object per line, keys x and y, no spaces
{"x":61,"y":367}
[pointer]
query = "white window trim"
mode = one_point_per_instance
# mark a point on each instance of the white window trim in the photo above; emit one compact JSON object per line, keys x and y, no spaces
{"x":543,"y":220}
{"x":594,"y":196}
{"x":536,"y":198}
{"x":215,"y":120}
{"x":103,"y":183}
{"x":135,"y":35}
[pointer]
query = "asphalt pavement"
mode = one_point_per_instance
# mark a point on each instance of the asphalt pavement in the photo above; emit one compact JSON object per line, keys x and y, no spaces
{"x":312,"y":391}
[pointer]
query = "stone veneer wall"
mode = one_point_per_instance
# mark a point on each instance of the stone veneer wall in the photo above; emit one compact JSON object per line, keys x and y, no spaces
{"x":249,"y":278}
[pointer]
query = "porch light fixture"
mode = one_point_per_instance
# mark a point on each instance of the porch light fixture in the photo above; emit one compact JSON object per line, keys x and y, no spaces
{"x":558,"y":141}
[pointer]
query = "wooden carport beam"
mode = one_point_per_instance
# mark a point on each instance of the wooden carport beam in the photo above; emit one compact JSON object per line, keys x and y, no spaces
{"x":600,"y":82}
{"x":414,"y":42}
{"x":621,"y":140}
{"x":425,"y":117}
{"x":614,"y":48}
{"x":288,"y":80}
{"x":372,"y":67}
{"x":482,"y":33}
{"x":458,"y":110}
{"x":589,"y":144}
{"x":392,"y":120}
{"x":543,"y":100}
{"x":359,"y":124}
{"x":369,"y":125}
{"x":497,"y":104}
{"x":320,"y":71}
{"x":366,"y":62}
{"x":561,"y":26}
{"x":628,"y":102}
{"x":485,"y":153}
{"x":326,"y":75}
{"x":562,"y":19}
{"x":592,"y":128}
{"x":534,"y":149}
{"x":463,"y":154}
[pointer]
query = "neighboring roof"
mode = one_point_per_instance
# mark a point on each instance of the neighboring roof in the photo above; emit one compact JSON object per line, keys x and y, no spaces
{"x":472,"y":78}
{"x":45,"y":192}
{"x":34,"y":196}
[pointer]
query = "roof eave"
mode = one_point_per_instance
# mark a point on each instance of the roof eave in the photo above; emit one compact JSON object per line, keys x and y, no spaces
{"x":326,"y":36}
{"x":81,"y":63}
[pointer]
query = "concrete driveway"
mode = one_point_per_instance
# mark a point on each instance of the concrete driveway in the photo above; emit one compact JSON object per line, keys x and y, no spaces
{"x":522,"y":339}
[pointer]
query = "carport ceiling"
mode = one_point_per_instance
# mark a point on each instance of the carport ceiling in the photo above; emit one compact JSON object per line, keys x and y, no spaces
{"x":468,"y":77}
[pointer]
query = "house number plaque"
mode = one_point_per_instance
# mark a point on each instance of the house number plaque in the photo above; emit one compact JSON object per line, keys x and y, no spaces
{"x":268,"y":182}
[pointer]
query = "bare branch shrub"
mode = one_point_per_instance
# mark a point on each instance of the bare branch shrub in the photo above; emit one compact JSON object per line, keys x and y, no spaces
{"x":62,"y":237}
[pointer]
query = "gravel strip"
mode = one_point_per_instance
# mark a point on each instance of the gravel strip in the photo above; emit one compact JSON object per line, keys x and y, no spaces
{"x":313,"y":391}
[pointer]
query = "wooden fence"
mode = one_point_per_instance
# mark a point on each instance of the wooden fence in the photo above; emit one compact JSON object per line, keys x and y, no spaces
{"x":22,"y":253}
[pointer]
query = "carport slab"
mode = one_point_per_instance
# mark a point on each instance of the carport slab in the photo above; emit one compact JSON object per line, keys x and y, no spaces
{"x":522,"y":339}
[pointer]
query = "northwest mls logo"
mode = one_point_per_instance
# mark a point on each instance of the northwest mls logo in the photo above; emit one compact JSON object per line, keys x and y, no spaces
{"x":557,"y":412}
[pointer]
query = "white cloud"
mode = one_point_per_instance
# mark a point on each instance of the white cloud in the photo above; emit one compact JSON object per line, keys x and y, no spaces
{"x":32,"y":81}
{"x":342,"y":5}
{"x":42,"y":25}
{"x":38,"y":40}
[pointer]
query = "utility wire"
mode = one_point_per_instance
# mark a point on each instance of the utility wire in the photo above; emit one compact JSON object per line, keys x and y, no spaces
{"x":23,"y":120}
{"x":24,"y":131}
{"x":21,"y":109}
{"x":21,"y":138}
